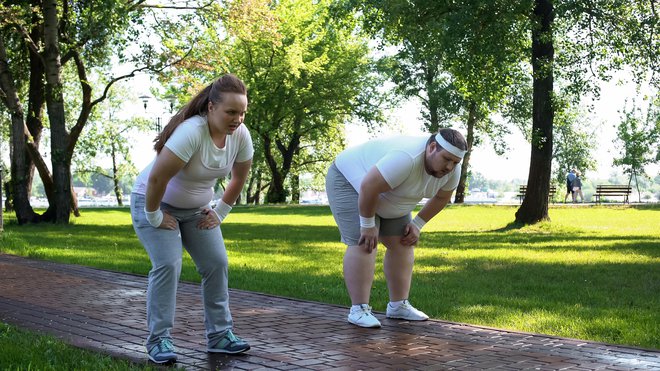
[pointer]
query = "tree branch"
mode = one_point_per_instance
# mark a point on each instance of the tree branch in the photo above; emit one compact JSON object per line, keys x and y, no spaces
{"x":28,"y":41}
{"x":142,"y":4}
{"x":133,"y":72}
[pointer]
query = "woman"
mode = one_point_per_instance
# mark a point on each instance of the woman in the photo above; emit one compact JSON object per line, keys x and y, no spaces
{"x":577,"y":187}
{"x":170,"y":208}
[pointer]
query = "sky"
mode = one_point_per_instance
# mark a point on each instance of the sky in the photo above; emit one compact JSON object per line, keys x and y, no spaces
{"x":405,"y":120}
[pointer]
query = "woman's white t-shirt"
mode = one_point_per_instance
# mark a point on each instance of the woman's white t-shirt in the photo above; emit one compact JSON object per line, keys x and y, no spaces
{"x":192,"y":186}
{"x":401,"y":162}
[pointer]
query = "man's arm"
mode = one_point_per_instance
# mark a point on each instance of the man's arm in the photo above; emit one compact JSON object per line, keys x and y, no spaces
{"x":372,"y":186}
{"x":432,"y":207}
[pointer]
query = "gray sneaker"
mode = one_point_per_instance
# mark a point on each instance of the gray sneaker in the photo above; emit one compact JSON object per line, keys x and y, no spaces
{"x":406,"y":311}
{"x":162,"y":353}
{"x":229,"y":344}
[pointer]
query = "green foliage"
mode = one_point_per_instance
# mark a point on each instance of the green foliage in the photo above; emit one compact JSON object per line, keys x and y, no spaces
{"x":592,"y":273}
{"x":574,"y":141}
{"x":638,"y":136}
{"x":106,"y":139}
{"x":596,"y":38}
{"x":306,"y":77}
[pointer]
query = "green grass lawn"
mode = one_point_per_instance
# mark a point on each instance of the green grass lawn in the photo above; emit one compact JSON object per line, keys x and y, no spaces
{"x":23,"y":350}
{"x":592,"y":273}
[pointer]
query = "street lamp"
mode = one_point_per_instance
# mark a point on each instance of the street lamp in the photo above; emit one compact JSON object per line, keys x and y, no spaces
{"x":158,"y":126}
{"x":145,"y":100}
{"x":171,"y":99}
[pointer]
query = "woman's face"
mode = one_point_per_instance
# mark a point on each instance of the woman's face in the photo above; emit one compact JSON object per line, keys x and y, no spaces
{"x":227,"y":115}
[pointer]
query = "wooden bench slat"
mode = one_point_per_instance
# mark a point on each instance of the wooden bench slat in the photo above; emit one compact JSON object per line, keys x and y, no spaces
{"x":523,"y":190}
{"x":613,"y":190}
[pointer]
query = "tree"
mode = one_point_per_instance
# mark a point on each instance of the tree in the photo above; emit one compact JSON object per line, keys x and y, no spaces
{"x":51,"y":36}
{"x":638,"y":136}
{"x":306,"y":75}
{"x":458,"y":58}
{"x":574,"y":143}
{"x":106,"y":138}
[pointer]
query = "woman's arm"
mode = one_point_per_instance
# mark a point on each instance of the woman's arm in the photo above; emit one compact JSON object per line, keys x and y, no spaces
{"x":166,"y":166}
{"x":239,"y":174}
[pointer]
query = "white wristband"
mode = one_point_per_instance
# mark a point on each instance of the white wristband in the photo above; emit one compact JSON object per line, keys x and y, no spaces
{"x":418,"y":222}
{"x":367,"y":222}
{"x":221,"y":210}
{"x":155,"y":218}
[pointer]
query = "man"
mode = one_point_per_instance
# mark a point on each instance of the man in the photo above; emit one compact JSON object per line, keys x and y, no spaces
{"x":570,"y":177}
{"x":372,"y":189}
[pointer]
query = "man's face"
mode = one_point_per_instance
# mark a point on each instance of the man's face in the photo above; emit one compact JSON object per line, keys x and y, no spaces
{"x":439,"y":163}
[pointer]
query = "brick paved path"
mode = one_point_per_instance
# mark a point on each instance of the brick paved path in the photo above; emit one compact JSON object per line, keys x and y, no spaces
{"x":105,"y":311}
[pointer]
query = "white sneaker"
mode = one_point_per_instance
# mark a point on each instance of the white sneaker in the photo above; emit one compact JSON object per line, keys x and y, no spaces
{"x":406,"y":311}
{"x":362,"y":317}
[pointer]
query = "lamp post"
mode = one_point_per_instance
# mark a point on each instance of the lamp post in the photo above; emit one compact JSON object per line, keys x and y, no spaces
{"x":145,"y":100}
{"x":158,"y":126}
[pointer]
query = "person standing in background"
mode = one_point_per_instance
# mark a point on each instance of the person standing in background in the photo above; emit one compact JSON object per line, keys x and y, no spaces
{"x":576,"y":187}
{"x":569,"y":184}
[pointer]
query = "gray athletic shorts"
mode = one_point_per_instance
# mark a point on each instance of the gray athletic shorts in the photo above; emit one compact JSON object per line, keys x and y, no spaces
{"x":343,"y":199}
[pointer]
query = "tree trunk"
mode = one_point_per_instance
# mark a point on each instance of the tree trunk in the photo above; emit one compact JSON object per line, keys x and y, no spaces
{"x":459,"y":198}
{"x":255,"y":188}
{"x":19,"y":170}
{"x":115,"y":178}
{"x":295,"y":189}
{"x":250,"y":194}
{"x":430,"y":74}
{"x":534,"y":207}
{"x":55,"y":104}
{"x":277,"y":193}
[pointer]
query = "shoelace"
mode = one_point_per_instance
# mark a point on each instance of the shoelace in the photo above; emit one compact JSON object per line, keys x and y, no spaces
{"x":230,"y":335}
{"x":366,"y":309}
{"x":166,"y":346}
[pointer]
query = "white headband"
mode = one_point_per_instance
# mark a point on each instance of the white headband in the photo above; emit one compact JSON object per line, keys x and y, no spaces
{"x":449,"y":147}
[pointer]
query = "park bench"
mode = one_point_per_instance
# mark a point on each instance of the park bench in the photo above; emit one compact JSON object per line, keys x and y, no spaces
{"x":523,"y":190}
{"x":612,"y":190}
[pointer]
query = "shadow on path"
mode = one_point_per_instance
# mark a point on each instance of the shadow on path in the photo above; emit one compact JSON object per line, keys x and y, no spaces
{"x":105,"y":311}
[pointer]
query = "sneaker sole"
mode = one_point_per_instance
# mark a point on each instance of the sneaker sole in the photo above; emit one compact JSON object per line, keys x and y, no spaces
{"x":378,"y":325}
{"x":166,"y":362}
{"x":408,"y":319}
{"x":223,"y":351}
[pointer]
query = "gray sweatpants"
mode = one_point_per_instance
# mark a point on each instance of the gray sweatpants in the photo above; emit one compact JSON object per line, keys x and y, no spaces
{"x":165,"y":248}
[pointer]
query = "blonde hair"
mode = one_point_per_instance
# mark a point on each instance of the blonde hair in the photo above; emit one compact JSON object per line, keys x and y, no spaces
{"x":199,"y":105}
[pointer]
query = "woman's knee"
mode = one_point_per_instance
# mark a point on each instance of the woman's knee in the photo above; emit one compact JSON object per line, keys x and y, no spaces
{"x":166,"y":269}
{"x":212,"y":263}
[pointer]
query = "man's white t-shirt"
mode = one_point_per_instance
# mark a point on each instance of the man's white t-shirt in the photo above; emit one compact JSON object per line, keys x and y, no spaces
{"x":192,"y":186}
{"x":401,"y":162}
